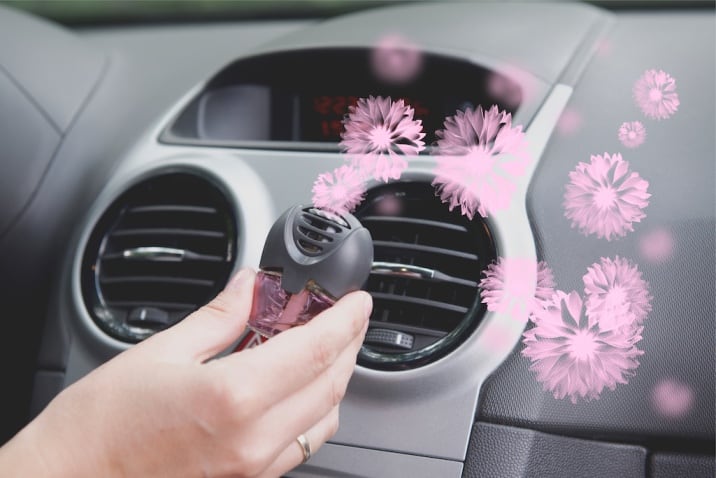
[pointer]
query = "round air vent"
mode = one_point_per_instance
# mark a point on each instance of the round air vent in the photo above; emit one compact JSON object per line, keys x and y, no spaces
{"x":164,"y":248}
{"x":424,"y":281}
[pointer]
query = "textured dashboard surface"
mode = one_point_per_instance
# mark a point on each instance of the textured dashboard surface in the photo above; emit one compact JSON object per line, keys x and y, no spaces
{"x":678,"y":161}
{"x":534,"y":453}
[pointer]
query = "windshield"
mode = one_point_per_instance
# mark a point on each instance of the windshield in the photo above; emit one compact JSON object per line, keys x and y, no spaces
{"x":77,"y":12}
{"x":91,"y":12}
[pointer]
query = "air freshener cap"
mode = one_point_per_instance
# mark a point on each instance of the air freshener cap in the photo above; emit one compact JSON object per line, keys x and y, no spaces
{"x":310,"y":244}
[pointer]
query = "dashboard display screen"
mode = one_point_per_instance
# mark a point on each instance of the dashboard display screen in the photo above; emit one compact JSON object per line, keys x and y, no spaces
{"x":322,"y":115}
{"x":303,"y":97}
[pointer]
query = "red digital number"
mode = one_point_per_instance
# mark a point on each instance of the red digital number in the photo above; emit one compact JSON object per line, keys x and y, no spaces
{"x":322,"y":104}
{"x":339,"y":105}
{"x":336,"y":127}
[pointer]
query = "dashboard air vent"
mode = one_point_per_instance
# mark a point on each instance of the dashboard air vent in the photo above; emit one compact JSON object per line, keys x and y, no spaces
{"x":428,"y":262}
{"x":164,"y":248}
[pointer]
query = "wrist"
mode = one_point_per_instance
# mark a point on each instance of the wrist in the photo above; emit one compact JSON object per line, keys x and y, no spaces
{"x":44,"y":449}
{"x":23,"y":456}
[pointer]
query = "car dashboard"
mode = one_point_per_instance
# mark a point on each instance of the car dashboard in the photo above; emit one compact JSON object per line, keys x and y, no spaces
{"x":121,"y":141}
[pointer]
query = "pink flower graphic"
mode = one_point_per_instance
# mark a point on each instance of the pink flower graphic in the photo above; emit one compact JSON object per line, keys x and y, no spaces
{"x":605,"y":197}
{"x":379,"y":134}
{"x":509,"y":287}
{"x":615,"y":294}
{"x":340,"y":191}
{"x":632,"y":134}
{"x":571,"y":354}
{"x":480,"y":156}
{"x":396,"y":59}
{"x":672,"y":398}
{"x":655,"y":93}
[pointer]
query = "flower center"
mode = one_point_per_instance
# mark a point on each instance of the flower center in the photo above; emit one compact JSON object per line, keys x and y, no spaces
{"x":631,"y":135}
{"x":605,"y":197}
{"x":381,"y":138}
{"x":655,"y":94}
{"x":583,"y":345}
{"x":615,"y":300}
{"x":479,"y":163}
{"x":340,"y":192}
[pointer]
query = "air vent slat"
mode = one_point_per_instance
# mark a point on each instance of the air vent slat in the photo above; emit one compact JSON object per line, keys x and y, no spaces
{"x":128,"y":304}
{"x":162,"y":249}
{"x":412,"y":221}
{"x":437,"y":277}
{"x":425,"y":249}
{"x":163,"y":208}
{"x":190,"y":257}
{"x":156,"y":279}
{"x":168,"y":232}
{"x":421,"y":302}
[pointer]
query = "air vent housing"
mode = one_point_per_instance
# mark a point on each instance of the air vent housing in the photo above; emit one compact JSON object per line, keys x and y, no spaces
{"x":164,"y":248}
{"x":427,"y":266}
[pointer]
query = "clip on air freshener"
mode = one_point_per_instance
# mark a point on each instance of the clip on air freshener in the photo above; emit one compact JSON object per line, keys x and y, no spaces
{"x":311,"y":258}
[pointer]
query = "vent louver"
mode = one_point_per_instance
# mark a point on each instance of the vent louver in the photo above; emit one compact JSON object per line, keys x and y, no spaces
{"x":164,"y":248}
{"x":427,"y":264}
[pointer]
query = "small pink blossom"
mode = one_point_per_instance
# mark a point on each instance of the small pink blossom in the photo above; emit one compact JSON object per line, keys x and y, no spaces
{"x":657,"y":246}
{"x":671,"y":398}
{"x":505,"y":90}
{"x":379,"y":135}
{"x":655,"y":93}
{"x":572,"y":356}
{"x":481,"y":155}
{"x":605,"y":197}
{"x":569,"y":122}
{"x":511,"y":85}
{"x":632,"y":134}
{"x":615,"y":294}
{"x":509,"y":287}
{"x":340,"y":191}
{"x":396,"y":59}
{"x":604,"y":47}
{"x":390,"y":205}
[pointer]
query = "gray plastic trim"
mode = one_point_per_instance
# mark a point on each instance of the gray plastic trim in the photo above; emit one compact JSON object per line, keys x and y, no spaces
{"x":476,"y":30}
{"x":428,"y":411}
{"x":350,"y":462}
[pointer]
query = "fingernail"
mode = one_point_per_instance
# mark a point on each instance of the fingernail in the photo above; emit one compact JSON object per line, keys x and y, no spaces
{"x":368,"y":304}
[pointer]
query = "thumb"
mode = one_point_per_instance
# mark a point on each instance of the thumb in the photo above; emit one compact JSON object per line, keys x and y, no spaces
{"x":214,"y":327}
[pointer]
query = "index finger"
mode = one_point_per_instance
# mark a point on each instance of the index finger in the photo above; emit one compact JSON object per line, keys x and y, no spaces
{"x":293,"y":359}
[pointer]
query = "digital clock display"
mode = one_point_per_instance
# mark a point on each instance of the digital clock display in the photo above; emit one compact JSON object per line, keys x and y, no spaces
{"x":323,"y":115}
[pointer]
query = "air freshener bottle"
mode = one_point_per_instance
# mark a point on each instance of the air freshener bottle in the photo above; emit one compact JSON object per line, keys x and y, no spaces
{"x":311,"y":258}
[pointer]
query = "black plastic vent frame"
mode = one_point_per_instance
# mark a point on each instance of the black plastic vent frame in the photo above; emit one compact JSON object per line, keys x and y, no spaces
{"x":164,"y":248}
{"x":427,"y":266}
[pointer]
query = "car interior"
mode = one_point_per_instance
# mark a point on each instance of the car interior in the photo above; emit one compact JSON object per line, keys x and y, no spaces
{"x":147,"y":149}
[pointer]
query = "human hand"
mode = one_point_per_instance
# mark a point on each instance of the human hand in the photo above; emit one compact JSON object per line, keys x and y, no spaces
{"x":163,"y":408}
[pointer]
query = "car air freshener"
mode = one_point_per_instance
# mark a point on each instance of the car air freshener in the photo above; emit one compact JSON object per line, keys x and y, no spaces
{"x":311,"y":258}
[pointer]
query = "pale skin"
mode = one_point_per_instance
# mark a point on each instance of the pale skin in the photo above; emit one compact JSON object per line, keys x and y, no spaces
{"x":165,"y":407}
